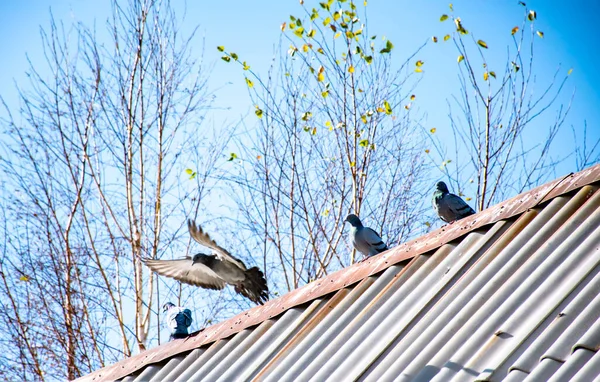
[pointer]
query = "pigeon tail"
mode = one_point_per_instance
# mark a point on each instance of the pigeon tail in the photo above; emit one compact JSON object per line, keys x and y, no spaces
{"x":254,"y":286}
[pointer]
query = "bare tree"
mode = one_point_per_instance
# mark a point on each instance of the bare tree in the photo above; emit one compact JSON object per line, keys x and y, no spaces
{"x":335,"y":136}
{"x":99,"y":172}
{"x":493,"y":118}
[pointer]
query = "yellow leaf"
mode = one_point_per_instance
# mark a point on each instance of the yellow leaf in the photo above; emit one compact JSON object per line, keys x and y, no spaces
{"x":283,"y":27}
{"x":320,"y":50}
{"x":305,"y":48}
{"x":419,"y":70}
{"x":419,"y":63}
{"x":541,"y":34}
{"x":320,"y":77}
{"x":259,"y":157}
{"x":325,"y":93}
{"x":258,"y":111}
{"x":428,"y":224}
{"x":451,"y":7}
{"x":24,"y":278}
{"x":444,"y":18}
{"x":407,"y":107}
{"x":460,"y":58}
{"x":485,"y":76}
{"x":412,"y":97}
{"x":314,"y":131}
{"x":482,"y":44}
{"x":433,"y":130}
{"x":388,"y":107}
{"x":380,"y":110}
{"x":220,"y":48}
{"x":426,"y":151}
{"x":514,"y":30}
{"x":532,"y":15}
{"x":569,"y":72}
{"x":351,"y":69}
{"x":311,"y":33}
{"x":434,"y":39}
{"x":249,"y":83}
{"x":468,"y":199}
{"x":447,"y":37}
{"x":246,"y":66}
{"x":338,"y":34}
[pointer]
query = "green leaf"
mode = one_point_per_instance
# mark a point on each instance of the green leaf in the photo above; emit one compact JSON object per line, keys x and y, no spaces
{"x":482,"y":44}
{"x":364,"y":143}
{"x":451,"y":7}
{"x":234,"y":56}
{"x":220,"y":48}
{"x":569,"y":72}
{"x":258,"y":112}
{"x":419,"y":63}
{"x":493,"y":74}
{"x":232,"y":157}
{"x":460,"y":58}
{"x":226,"y":58}
{"x":306,"y":116}
{"x":311,"y":33}
{"x":388,"y":47}
{"x":447,"y":37}
{"x":246,"y":66}
{"x":444,"y":17}
{"x":388,"y":108}
{"x":249,"y":83}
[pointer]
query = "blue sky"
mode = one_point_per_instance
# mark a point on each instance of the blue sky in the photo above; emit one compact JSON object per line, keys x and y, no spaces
{"x":251,"y":29}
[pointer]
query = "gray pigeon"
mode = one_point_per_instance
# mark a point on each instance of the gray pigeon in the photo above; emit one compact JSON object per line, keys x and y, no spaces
{"x":364,"y":239}
{"x":213,"y":271}
{"x":449,"y":207}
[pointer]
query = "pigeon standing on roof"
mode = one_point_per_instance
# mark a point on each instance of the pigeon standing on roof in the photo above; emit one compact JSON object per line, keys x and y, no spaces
{"x":364,"y":239}
{"x":449,"y":207}
{"x":213,"y":271}
{"x":179,"y":320}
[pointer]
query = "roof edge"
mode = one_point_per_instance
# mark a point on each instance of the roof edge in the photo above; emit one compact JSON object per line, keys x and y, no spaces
{"x":352,"y":274}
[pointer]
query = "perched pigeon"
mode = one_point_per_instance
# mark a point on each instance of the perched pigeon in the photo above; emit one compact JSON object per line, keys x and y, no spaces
{"x":179,"y":320}
{"x":364,"y":239}
{"x":213,"y":271}
{"x":449,"y":207}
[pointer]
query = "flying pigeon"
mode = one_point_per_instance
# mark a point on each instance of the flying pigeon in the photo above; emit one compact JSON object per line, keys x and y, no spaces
{"x":213,"y":271}
{"x":449,"y":207}
{"x":364,"y":239}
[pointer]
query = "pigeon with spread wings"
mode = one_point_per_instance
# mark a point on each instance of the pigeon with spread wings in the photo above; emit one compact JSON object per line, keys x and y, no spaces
{"x":213,"y":271}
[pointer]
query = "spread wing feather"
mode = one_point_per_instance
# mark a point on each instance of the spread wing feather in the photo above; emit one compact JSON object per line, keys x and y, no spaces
{"x":198,"y":234}
{"x":185,"y":271}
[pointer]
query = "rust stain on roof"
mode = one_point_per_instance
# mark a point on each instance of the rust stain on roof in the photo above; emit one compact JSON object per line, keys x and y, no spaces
{"x":351,"y":275}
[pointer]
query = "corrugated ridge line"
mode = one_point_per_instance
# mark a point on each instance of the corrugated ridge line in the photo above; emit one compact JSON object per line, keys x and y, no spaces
{"x":353,"y":274}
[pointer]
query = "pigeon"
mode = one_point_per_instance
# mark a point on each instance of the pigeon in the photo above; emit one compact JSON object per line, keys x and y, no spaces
{"x":364,"y":239}
{"x":213,"y":271}
{"x":449,"y":207}
{"x":179,"y":320}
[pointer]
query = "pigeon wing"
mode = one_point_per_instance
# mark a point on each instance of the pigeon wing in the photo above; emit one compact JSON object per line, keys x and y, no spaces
{"x":187,"y":272}
{"x":458,"y":206}
{"x":373,"y":240}
{"x":201,"y":237}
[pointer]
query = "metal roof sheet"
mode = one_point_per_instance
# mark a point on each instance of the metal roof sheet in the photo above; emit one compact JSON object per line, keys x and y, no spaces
{"x":510,"y":293}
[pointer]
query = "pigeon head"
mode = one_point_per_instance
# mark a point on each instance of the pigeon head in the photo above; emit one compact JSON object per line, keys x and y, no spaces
{"x":167,"y":306}
{"x":353,"y":220}
{"x":441,"y":186}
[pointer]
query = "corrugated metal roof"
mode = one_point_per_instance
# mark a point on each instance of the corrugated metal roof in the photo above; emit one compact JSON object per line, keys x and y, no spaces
{"x":511,"y":293}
